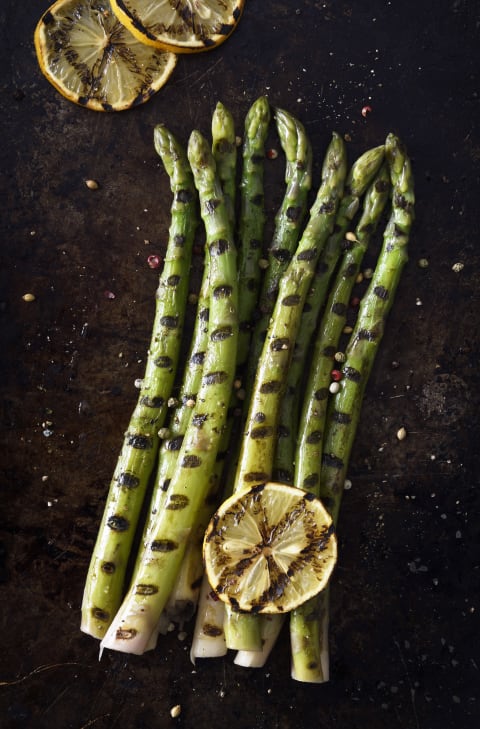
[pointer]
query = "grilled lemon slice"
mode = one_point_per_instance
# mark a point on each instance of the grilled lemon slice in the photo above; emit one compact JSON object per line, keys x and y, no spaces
{"x":184,"y":26}
{"x":93,"y":60}
{"x":269,"y":549}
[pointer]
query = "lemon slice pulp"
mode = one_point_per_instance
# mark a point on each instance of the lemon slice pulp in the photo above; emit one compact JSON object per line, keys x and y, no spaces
{"x":184,"y":26}
{"x":86,"y":53}
{"x":269,"y":549}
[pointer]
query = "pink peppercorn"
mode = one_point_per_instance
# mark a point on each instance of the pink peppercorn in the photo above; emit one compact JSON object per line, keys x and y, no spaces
{"x":336,"y":375}
{"x":366,"y":110}
{"x":154,"y":261}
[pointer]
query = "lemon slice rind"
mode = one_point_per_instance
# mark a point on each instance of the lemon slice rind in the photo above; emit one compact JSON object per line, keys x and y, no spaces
{"x":278,"y":564}
{"x":94,"y":61}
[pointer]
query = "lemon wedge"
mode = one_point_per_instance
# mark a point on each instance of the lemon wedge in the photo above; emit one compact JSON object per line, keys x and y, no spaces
{"x":269,"y":549}
{"x":184,"y":26}
{"x":94,"y":61}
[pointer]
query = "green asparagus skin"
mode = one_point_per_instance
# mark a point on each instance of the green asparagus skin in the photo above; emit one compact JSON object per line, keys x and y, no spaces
{"x":224,"y":152}
{"x":359,"y":178}
{"x":140,"y":612}
{"x":252,"y":217}
{"x":289,"y":220}
{"x":106,"y":575}
{"x":256,"y":456}
{"x":309,"y":622}
{"x":344,"y":409}
{"x":308,"y":456}
{"x":344,"y":412}
{"x":184,"y":597}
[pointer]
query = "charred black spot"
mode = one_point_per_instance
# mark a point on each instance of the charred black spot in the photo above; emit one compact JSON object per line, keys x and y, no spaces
{"x":294,"y":213}
{"x":218,"y":247}
{"x":215,"y":378}
{"x":199,"y":419}
{"x":125,"y":634}
{"x":255,"y":476}
{"x":279,"y":344}
{"x":212,"y":630}
{"x":139,"y":442}
{"x":341,"y":418}
{"x":184,"y":196}
{"x":197,"y":358}
{"x":351,"y":270}
{"x":152,"y":402}
{"x":170,"y":322}
{"x":314,"y":437}
{"x":173,"y":280}
{"x":381,"y":292}
{"x":108,"y":567}
{"x":292,"y":300}
{"x":329,"y":351}
{"x":222,"y":333}
{"x":310,"y":481}
{"x":366,"y":334}
{"x":262,"y":432}
{"x":332,"y":461}
{"x":350,"y":373}
{"x":118,"y":523}
{"x":259,"y":417}
{"x":321,"y":268}
{"x":164,"y":362}
{"x":100,"y":614}
{"x":212,"y":204}
{"x":163,"y":545}
{"x":270,"y":387}
{"x":222,"y":292}
{"x":179,"y":240}
{"x":177,"y":502}
{"x":166,"y":484}
{"x":339,"y":308}
{"x":174,"y":444}
{"x":327,"y":207}
{"x":321,"y":394}
{"x":381,"y":185}
{"x":191,"y":461}
{"x":308,"y":255}
{"x":282,"y":255}
{"x":146,"y":589}
{"x":128,"y":480}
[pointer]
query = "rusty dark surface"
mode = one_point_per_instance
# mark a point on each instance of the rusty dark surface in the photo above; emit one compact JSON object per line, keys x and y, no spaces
{"x":404,"y":627}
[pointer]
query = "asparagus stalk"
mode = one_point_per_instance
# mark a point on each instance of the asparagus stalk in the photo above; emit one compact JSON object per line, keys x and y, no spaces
{"x":258,"y":444}
{"x":288,"y":221}
{"x":257,"y":451}
{"x":252,"y":217}
{"x":359,"y":178}
{"x":184,"y":597}
{"x":106,"y":575}
{"x":309,"y":622}
{"x":344,"y":412}
{"x":155,"y":577}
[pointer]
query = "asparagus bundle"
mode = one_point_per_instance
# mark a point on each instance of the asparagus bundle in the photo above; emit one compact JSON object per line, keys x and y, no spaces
{"x":155,"y":576}
{"x":106,"y":575}
{"x":309,"y":622}
{"x":288,"y":298}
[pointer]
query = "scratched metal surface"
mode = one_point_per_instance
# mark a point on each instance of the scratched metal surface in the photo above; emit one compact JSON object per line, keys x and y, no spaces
{"x":404,"y":633}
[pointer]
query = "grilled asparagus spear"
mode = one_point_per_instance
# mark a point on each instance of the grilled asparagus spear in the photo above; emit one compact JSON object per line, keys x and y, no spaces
{"x":106,"y":575}
{"x":155,"y":576}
